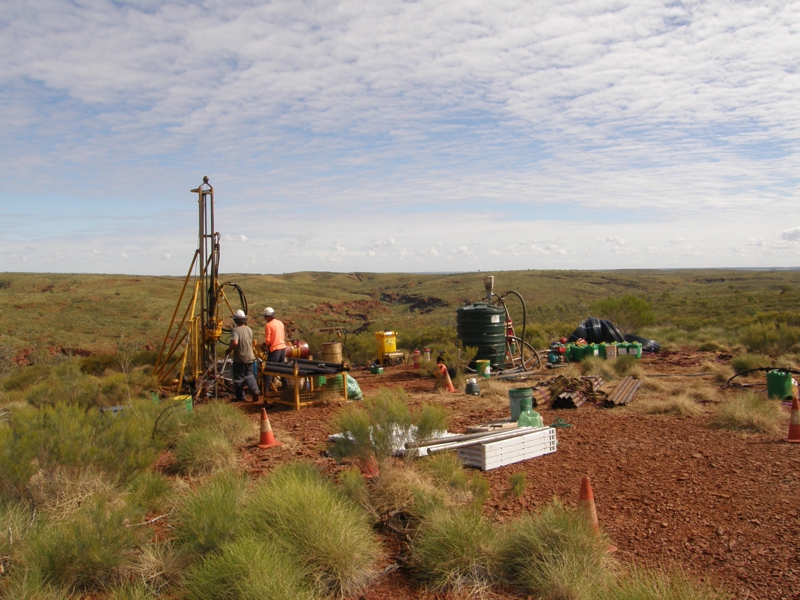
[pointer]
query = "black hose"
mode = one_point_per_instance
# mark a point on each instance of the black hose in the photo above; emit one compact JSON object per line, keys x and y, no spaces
{"x":792,"y":371}
{"x":524,"y":320}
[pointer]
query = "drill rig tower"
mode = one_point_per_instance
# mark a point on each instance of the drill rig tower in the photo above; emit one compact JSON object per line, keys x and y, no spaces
{"x":188,"y":360}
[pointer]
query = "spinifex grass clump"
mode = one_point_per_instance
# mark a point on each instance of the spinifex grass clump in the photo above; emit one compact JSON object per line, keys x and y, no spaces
{"x":555,"y":554}
{"x":628,"y":365}
{"x":751,"y":413}
{"x":204,"y":451}
{"x":248,"y":568}
{"x":640,"y":584}
{"x":747,"y":362}
{"x":68,"y":436}
{"x":209,"y":517}
{"x":682,"y":405}
{"x":380,"y":425}
{"x":326,"y":532}
{"x":456,"y":549}
{"x":448,"y":473}
{"x":83,"y":551}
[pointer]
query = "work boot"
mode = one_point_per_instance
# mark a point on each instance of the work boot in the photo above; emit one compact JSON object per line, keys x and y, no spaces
{"x":255,"y":398}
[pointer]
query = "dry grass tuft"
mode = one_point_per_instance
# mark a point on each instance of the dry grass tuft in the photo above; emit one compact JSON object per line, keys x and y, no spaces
{"x":720,"y":372}
{"x":681,"y":405}
{"x":63,"y":491}
{"x":750,"y":413}
{"x":158,"y":567}
{"x":397,"y":487}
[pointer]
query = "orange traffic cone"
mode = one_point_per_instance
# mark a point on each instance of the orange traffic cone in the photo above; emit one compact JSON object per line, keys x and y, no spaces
{"x":267,"y":439}
{"x":794,"y":422}
{"x":586,"y":504}
{"x":448,"y":383}
{"x":587,"y":508}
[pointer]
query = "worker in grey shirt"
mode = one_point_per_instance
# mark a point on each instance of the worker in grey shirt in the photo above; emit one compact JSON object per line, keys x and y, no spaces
{"x":243,"y":358}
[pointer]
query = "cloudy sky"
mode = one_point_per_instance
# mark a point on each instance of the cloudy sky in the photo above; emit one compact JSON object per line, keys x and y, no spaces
{"x":400,"y":136}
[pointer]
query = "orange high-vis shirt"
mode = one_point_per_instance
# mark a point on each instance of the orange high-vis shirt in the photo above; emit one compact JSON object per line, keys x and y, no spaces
{"x":274,"y":335}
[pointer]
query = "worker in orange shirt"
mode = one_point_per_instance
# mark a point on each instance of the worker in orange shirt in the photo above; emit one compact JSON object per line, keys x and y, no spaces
{"x":274,"y":339}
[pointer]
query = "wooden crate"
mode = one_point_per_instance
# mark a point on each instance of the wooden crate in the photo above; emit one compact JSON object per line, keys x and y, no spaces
{"x":540,"y":441}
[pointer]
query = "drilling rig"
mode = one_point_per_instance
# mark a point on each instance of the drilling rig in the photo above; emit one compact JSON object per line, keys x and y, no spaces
{"x":188,"y":361}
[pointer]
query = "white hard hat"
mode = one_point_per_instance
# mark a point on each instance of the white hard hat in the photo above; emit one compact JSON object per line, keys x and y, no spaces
{"x":239,"y":314}
{"x":269,"y":312}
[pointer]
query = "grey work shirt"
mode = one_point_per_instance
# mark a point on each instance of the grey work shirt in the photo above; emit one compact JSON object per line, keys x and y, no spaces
{"x":243,"y":351}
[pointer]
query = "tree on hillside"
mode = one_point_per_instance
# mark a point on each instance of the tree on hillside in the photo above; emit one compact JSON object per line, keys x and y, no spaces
{"x":629,"y":313}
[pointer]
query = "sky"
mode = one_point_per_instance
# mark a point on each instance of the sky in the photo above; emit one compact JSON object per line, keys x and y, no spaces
{"x":400,"y":136}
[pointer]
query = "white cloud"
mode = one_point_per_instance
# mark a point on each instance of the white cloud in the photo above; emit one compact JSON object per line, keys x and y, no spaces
{"x":791,"y":235}
{"x":450,"y":121}
{"x":234,"y":238}
{"x":339,"y":247}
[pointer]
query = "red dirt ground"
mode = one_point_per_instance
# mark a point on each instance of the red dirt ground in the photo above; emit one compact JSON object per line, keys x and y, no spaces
{"x":669,"y":490}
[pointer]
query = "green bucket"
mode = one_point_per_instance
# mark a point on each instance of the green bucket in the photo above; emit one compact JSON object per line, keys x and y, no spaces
{"x":484,"y":368}
{"x":518,"y":396}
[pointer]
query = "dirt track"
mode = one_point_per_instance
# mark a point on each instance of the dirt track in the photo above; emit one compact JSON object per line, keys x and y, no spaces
{"x":669,"y":490}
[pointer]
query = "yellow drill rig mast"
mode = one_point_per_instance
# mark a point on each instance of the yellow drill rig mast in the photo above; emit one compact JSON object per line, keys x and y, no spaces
{"x":188,"y":358}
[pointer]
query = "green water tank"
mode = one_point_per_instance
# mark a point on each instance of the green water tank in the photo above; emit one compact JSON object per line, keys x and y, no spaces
{"x":482,"y":326}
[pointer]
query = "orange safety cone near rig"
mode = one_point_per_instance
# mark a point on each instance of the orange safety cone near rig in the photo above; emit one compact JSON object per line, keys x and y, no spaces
{"x":448,"y":383}
{"x":587,"y":508}
{"x":267,"y":438}
{"x":794,"y":423}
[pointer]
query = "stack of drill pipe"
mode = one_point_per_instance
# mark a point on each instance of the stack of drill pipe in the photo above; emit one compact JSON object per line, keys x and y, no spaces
{"x":541,"y":395}
{"x":624,"y":392}
{"x":302,"y":370}
{"x":466,"y":440}
{"x":321,"y":363}
{"x":579,"y":391}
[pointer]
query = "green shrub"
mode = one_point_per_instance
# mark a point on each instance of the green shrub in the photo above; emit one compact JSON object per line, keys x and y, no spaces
{"x":224,"y":418}
{"x":354,"y":486}
{"x":323,"y":529}
{"x":98,"y":364}
{"x":378,"y":426}
{"x":204,"y":451}
{"x":456,"y":550}
{"x":771,"y":338}
{"x":750,"y":412}
{"x":65,"y":384}
{"x":432,"y":336}
{"x":248,"y":569}
{"x":448,"y":473}
{"x":115,"y":389}
{"x":23,"y":377}
{"x":629,"y":313}
{"x":517,"y":484}
{"x":144,"y":358}
{"x":641,"y":584}
{"x":710,"y":346}
{"x":18,"y":451}
{"x":209,"y":517}
{"x":555,"y":554}
{"x":746,"y":362}
{"x":83,"y":552}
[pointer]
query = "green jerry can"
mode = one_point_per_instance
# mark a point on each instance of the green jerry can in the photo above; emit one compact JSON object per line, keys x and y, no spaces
{"x":779,"y":384}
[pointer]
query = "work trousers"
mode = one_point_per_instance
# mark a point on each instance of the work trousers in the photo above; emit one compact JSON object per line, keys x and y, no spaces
{"x":276,"y":356}
{"x":243,"y":375}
